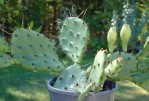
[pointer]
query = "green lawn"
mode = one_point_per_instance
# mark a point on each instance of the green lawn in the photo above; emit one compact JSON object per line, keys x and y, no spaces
{"x":19,"y":84}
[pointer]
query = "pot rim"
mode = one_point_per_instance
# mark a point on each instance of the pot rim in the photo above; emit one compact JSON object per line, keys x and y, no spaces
{"x":68,"y":92}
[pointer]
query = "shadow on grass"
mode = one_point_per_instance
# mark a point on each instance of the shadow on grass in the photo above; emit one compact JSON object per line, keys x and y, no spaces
{"x":127,"y":91}
{"x":19,"y":84}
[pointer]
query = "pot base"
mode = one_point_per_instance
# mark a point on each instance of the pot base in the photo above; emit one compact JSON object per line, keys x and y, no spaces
{"x":107,"y":94}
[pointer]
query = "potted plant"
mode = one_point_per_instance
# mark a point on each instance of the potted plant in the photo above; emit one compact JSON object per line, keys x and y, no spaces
{"x":34,"y":51}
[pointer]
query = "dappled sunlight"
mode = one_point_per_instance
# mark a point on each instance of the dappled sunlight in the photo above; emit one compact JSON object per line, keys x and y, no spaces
{"x":19,"y":84}
{"x":18,"y":93}
{"x":36,"y":96}
{"x":1,"y":99}
{"x":128,"y":91}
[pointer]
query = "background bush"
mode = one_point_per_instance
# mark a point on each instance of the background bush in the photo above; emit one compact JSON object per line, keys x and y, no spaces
{"x":46,"y":16}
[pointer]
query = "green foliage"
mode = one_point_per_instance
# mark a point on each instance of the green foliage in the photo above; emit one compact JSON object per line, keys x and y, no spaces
{"x":29,"y":14}
{"x":1,"y":2}
{"x":144,"y":52}
{"x":98,"y":24}
{"x":141,"y":79}
{"x":4,"y":46}
{"x":5,"y":60}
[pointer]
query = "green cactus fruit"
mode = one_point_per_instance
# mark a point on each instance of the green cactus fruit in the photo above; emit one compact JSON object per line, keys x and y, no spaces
{"x":125,"y":35}
{"x":5,"y":60}
{"x":34,"y":51}
{"x":74,"y":37}
{"x":114,"y":67}
{"x":97,"y":70}
{"x":129,"y":66}
{"x":72,"y":78}
{"x":4,"y":46}
{"x":141,"y":79}
{"x":145,"y":51}
{"x":111,"y":37}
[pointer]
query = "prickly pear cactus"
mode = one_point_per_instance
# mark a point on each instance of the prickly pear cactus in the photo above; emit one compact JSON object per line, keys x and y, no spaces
{"x":4,"y":46}
{"x":5,"y":60}
{"x":73,"y":38}
{"x":33,"y":50}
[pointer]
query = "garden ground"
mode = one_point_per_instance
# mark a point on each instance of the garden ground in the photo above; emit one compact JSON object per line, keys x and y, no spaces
{"x":19,"y":84}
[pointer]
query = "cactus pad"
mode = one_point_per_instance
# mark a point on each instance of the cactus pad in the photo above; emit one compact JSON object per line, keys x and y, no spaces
{"x":130,"y":63}
{"x":33,"y":50}
{"x":4,"y":46}
{"x":97,"y":70}
{"x":5,"y":60}
{"x":72,"y":78}
{"x":74,"y":37}
{"x":114,"y":67}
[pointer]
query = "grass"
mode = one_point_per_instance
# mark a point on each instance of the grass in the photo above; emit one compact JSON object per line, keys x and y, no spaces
{"x":19,"y":84}
{"x":128,"y":91}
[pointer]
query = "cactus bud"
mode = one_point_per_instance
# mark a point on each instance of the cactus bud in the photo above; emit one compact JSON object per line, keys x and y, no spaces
{"x":111,"y":38}
{"x":125,"y":34}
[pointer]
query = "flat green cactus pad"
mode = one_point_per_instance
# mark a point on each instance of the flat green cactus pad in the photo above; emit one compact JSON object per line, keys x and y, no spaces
{"x":4,"y":46}
{"x":114,"y":67}
{"x":72,"y":78}
{"x":5,"y":60}
{"x":141,"y":79}
{"x":130,"y":63}
{"x":74,"y":37}
{"x":33,"y":50}
{"x":97,"y":70}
